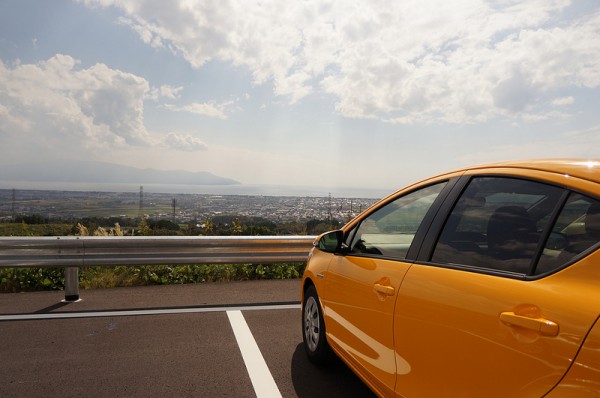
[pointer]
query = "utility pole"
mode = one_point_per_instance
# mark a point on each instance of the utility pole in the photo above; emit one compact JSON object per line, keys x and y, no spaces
{"x":141,"y":210}
{"x":330,"y":214}
{"x":14,"y":201}
{"x":174,"y":206}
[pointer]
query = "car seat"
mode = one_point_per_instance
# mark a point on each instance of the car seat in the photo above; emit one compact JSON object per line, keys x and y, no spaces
{"x":511,"y":233}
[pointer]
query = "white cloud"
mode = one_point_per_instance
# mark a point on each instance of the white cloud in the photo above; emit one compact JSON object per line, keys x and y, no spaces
{"x":563,"y":101}
{"x":145,"y":34}
{"x":57,"y":107}
{"x":165,"y":91}
{"x":209,"y":109}
{"x":413,"y":61}
{"x":184,"y":142}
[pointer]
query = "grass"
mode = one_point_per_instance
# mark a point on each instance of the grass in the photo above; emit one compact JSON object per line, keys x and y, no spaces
{"x":15,"y":280}
{"x":22,"y":229}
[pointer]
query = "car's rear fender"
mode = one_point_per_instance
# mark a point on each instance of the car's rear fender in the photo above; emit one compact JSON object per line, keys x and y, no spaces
{"x":583,"y":376}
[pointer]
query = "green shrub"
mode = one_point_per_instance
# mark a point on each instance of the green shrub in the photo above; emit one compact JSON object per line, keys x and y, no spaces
{"x":14,"y":280}
{"x":33,"y":279}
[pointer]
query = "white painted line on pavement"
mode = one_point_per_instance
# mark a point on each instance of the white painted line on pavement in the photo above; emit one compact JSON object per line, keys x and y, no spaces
{"x":99,"y":314}
{"x":260,"y":375}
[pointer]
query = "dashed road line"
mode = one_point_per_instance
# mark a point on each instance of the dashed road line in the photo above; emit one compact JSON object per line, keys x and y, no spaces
{"x":260,"y":375}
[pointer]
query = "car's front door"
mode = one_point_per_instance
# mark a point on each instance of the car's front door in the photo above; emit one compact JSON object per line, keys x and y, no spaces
{"x":362,"y":285}
{"x":490,"y":314}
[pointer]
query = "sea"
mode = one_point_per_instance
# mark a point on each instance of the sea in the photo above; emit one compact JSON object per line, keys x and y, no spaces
{"x":238,"y":189}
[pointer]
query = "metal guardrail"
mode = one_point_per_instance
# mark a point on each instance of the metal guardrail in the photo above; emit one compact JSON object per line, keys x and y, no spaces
{"x":73,"y":252}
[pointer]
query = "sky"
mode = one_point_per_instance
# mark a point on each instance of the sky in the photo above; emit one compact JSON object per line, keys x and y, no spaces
{"x":330,"y":93}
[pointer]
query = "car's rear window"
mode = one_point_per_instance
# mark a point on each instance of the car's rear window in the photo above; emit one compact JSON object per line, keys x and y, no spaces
{"x":576,"y":230}
{"x":497,"y":223}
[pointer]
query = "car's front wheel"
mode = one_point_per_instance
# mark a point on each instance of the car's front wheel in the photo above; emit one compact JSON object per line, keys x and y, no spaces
{"x":313,"y":328}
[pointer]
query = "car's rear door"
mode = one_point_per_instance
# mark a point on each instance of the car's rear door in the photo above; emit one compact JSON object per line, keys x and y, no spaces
{"x":489,"y":313}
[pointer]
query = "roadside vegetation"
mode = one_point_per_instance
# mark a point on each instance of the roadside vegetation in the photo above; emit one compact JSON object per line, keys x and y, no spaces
{"x":34,"y":279}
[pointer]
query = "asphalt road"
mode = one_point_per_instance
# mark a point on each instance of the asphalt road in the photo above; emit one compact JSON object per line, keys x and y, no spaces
{"x":238,"y":339}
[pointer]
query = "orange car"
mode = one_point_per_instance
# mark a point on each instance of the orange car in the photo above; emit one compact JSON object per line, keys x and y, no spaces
{"x":484,"y":282}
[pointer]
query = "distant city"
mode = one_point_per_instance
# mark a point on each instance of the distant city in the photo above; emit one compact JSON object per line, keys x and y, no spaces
{"x":73,"y":205}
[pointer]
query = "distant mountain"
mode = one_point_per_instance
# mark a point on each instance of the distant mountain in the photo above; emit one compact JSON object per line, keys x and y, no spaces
{"x":101,"y":172}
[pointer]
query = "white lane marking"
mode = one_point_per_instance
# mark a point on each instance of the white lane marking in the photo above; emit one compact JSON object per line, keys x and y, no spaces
{"x":63,"y":315}
{"x":260,"y":375}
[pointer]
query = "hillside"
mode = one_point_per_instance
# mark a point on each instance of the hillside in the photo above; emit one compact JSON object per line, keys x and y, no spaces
{"x":101,"y":172}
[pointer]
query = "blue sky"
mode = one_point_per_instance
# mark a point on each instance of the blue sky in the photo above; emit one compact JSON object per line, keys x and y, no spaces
{"x":362,"y":94}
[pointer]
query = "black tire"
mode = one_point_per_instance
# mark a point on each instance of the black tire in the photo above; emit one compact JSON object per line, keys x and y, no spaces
{"x":313,"y":329}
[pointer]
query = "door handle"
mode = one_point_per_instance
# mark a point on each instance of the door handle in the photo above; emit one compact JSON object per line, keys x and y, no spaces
{"x":383,"y":289}
{"x":543,"y":326}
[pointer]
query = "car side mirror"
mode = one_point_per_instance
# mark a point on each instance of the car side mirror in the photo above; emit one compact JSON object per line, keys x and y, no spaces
{"x":330,"y":242}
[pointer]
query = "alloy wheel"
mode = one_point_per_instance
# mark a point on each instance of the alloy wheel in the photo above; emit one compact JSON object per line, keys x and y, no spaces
{"x":311,"y":323}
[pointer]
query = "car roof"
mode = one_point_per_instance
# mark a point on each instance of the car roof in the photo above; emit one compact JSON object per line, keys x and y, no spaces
{"x":587,"y":169}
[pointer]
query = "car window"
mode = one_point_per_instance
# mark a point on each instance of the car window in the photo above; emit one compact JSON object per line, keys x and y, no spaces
{"x":576,"y":230}
{"x":497,"y":223}
{"x":390,"y":230}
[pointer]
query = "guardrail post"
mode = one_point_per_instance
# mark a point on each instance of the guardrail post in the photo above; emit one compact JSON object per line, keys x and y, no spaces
{"x":71,"y":284}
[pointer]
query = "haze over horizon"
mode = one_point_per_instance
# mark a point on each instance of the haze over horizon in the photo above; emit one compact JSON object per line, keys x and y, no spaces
{"x":322,"y":93}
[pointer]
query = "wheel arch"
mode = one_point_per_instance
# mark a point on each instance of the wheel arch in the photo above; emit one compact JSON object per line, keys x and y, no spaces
{"x":306,"y":283}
